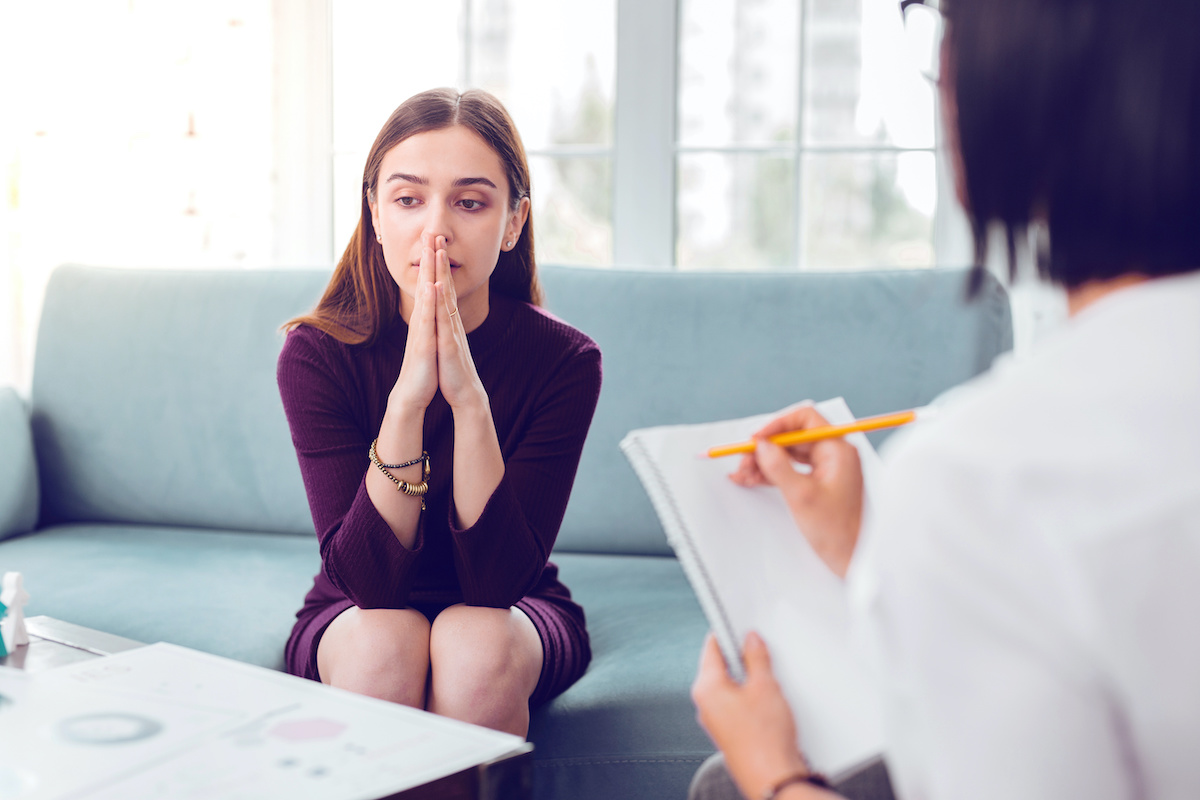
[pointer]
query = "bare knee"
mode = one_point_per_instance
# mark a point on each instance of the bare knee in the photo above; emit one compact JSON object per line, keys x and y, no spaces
{"x":485,"y":665}
{"x":379,"y":652}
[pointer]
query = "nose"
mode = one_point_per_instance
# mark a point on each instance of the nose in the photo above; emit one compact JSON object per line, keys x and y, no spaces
{"x":437,"y":223}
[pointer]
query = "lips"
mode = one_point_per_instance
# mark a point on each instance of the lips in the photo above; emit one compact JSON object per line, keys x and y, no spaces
{"x":453,"y":264}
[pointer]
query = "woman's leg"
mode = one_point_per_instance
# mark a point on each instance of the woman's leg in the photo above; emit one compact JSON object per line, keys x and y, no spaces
{"x":381,"y":652}
{"x":485,"y":664}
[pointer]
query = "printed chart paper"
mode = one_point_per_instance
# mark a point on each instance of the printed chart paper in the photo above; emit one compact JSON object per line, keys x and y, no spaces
{"x":164,"y":721}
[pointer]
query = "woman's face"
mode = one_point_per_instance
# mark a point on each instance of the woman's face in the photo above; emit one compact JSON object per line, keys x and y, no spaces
{"x":448,"y":183}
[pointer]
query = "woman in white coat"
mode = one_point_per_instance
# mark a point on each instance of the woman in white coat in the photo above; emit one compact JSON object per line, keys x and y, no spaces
{"x":1030,"y":576}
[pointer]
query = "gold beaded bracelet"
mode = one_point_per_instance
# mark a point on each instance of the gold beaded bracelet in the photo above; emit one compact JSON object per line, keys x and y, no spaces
{"x":410,"y":489}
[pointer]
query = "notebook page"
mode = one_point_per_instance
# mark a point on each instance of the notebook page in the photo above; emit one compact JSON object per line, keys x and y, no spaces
{"x":753,"y":570}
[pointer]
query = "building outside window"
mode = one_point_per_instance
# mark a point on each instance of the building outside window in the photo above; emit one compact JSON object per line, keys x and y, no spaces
{"x":802,"y":141}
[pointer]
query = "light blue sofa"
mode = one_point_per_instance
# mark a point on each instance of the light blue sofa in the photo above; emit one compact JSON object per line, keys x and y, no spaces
{"x":149,"y":487}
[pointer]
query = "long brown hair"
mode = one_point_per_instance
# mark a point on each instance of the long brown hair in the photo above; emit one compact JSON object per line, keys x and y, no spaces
{"x":362,"y":299}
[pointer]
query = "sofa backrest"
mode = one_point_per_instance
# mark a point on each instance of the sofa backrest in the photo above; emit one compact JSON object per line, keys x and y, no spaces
{"x":683,"y":347}
{"x":154,"y":398}
{"x":19,"y":491}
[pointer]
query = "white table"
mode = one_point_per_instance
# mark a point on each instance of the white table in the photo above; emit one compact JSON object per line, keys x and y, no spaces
{"x":139,"y":720}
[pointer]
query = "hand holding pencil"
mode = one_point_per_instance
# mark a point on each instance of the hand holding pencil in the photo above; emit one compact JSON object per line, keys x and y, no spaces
{"x":826,"y":431}
{"x":827,"y":502}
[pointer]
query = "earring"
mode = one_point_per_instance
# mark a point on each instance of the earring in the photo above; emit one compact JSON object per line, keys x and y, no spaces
{"x":508,"y":245}
{"x":379,"y":238}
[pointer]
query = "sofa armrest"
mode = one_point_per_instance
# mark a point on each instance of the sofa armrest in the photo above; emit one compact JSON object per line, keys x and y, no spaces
{"x":19,"y":498}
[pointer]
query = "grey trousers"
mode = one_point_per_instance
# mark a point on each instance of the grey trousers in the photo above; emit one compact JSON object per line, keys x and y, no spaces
{"x":868,"y":781}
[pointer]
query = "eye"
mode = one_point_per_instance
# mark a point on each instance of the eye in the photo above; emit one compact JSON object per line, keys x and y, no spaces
{"x":406,"y":201}
{"x":470,"y":205}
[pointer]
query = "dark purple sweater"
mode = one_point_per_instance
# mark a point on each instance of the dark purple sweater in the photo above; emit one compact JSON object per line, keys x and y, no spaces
{"x":543,"y":380}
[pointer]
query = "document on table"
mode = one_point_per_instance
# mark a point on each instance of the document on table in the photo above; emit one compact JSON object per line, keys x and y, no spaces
{"x":165,"y":721}
{"x":752,"y":569}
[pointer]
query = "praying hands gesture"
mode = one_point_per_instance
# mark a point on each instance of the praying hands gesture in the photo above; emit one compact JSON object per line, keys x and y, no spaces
{"x":438,"y":357}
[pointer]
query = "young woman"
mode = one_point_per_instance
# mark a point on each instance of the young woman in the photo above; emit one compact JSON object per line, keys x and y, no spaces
{"x":438,"y":415}
{"x":1031,"y":575}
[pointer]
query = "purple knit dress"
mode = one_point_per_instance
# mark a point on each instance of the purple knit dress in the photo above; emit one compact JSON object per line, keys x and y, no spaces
{"x":543,"y":380}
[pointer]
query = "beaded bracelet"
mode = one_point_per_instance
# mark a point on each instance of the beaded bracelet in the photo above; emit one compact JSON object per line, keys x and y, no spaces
{"x":811,"y":778}
{"x":410,"y":489}
{"x":412,"y":463}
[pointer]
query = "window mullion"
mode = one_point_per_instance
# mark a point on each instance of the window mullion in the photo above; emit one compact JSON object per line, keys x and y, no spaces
{"x":303,"y":144}
{"x":798,"y":188}
{"x":644,"y":134}
{"x":466,"y":66}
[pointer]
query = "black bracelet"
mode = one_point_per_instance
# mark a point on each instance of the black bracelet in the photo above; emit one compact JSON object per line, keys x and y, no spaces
{"x":811,"y":778}
{"x":412,"y":463}
{"x":410,"y":489}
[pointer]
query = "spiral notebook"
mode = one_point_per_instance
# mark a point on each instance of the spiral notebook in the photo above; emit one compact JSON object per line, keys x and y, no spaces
{"x":751,"y":569}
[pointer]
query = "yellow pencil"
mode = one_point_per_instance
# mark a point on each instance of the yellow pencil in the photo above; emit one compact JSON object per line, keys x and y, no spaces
{"x":826,"y":432}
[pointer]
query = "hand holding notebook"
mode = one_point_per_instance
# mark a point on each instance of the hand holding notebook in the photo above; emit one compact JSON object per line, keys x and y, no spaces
{"x":752,"y":569}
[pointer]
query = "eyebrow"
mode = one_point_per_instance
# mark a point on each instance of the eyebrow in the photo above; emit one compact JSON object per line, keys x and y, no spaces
{"x":460,"y":182}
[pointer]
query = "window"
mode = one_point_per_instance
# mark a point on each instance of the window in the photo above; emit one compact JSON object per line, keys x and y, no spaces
{"x":132,"y":134}
{"x":792,"y":150}
{"x":691,"y":134}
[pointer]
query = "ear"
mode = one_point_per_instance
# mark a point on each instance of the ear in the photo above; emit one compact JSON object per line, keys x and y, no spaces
{"x":516,"y":221}
{"x":374,"y":215}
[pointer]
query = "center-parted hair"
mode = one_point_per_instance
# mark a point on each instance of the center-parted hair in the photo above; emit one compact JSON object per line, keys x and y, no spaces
{"x":1083,"y":115}
{"x":362,"y":298}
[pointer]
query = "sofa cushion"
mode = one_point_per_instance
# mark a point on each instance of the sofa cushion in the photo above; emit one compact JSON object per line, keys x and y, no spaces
{"x":154,"y":398}
{"x":628,"y":727}
{"x":685,"y":347}
{"x":233,"y":593}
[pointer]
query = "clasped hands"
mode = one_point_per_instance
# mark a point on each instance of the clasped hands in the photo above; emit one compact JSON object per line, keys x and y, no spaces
{"x":437,"y":355}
